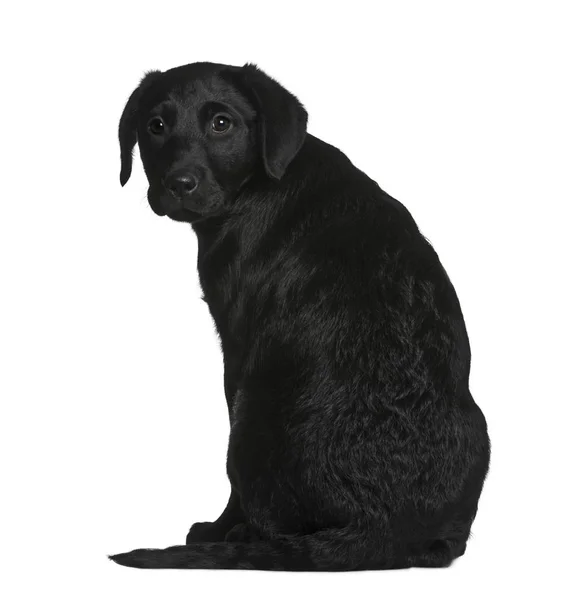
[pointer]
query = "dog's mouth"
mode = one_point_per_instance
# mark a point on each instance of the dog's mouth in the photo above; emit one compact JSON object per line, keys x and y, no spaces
{"x":162,"y":204}
{"x":182,"y":215}
{"x":156,"y":204}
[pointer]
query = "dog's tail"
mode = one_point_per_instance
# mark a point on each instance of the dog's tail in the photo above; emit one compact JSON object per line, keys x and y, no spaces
{"x":341,"y":551}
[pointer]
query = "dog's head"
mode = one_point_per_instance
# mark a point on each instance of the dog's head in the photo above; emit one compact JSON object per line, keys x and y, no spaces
{"x":204,"y":130}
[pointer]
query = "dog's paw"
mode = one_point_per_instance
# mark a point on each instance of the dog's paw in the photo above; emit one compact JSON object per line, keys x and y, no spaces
{"x":201,"y":532}
{"x":239,"y":533}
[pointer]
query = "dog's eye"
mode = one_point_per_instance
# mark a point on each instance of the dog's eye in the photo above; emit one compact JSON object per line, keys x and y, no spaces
{"x":156,"y":126}
{"x":221,"y":123}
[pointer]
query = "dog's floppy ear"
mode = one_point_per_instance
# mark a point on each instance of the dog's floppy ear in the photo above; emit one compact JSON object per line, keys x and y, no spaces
{"x":282,"y":120}
{"x":128,"y":126}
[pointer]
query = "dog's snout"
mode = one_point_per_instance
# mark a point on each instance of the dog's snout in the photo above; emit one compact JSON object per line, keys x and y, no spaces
{"x":181,"y":184}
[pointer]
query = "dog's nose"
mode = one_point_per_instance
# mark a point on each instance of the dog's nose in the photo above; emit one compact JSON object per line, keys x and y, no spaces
{"x":179,"y":185}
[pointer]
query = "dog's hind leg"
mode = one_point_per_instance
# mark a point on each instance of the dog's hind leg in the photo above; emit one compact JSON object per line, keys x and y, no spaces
{"x":450,"y":543}
{"x":440,"y":553}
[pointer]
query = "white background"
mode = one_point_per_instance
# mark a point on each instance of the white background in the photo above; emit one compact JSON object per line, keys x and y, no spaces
{"x":113,"y":422}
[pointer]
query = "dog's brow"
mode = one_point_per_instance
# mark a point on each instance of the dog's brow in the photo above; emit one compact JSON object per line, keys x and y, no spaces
{"x":195,"y":87}
{"x":164,"y":106}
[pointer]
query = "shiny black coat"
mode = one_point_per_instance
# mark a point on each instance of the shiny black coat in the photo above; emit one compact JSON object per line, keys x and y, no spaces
{"x":355,"y":442}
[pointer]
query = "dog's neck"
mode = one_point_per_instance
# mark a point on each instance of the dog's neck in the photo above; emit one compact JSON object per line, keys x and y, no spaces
{"x":265,"y":217}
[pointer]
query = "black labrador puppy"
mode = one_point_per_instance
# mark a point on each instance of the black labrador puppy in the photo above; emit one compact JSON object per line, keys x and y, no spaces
{"x":355,"y":442}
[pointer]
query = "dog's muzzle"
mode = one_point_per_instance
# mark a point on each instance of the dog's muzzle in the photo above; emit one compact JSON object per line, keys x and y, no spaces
{"x":181,"y":184}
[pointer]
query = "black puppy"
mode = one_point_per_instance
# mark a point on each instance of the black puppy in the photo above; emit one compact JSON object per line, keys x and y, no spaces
{"x":355,"y":442}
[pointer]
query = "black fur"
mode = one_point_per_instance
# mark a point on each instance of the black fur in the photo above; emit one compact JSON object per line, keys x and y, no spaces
{"x":355,"y":442}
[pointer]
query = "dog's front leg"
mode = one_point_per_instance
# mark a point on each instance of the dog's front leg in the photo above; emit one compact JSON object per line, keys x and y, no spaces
{"x":217,"y":530}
